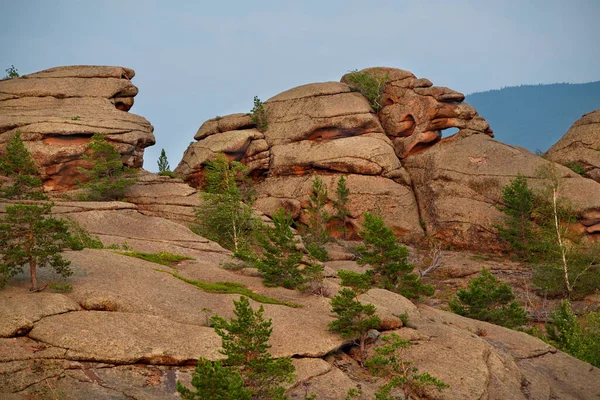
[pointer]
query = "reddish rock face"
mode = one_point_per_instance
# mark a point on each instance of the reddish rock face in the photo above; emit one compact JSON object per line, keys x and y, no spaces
{"x":58,"y":110}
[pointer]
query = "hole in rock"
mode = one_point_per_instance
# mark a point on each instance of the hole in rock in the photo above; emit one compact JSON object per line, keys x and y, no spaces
{"x":446,"y":133}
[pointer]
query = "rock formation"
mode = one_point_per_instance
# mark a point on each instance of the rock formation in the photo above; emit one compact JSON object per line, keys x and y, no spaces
{"x":135,"y":336}
{"x":58,"y":110}
{"x":395,"y":160}
{"x":580,"y":146}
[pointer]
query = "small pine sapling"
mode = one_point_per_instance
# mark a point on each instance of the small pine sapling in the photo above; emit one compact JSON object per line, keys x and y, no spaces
{"x":318,"y":217}
{"x":215,"y":381}
{"x":390,"y":362}
{"x":518,"y":229}
{"x":28,"y":236}
{"x":226,"y":215}
{"x":244,"y":341}
{"x":354,"y":319}
{"x":106,"y":177}
{"x":163,"y":163}
{"x":391,"y":269}
{"x":281,"y":257}
{"x":11,"y":73}
{"x":342,"y":213}
{"x":258,"y":115}
{"x":18,"y":166}
{"x":489,"y":300}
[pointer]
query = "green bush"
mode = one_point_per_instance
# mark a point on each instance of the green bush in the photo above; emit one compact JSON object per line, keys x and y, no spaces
{"x":215,"y":381}
{"x":370,"y":84}
{"x":258,"y":115}
{"x":580,"y":339}
{"x":390,"y":362}
{"x":106,"y":177}
{"x":576,"y":167}
{"x":11,"y":73}
{"x":489,"y":300}
{"x":18,"y":166}
{"x":79,"y":238}
{"x":316,"y":233}
{"x":342,"y":212}
{"x":391,"y":269}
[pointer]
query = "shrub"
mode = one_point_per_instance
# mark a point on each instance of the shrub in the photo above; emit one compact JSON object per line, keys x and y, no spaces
{"x":107,"y":178}
{"x":28,"y":236}
{"x":390,"y":362}
{"x":224,"y":217}
{"x":18,"y":166}
{"x":79,"y":238}
{"x":11,"y":73}
{"x":581,"y":340}
{"x":391,"y":269}
{"x":258,"y":115}
{"x":576,"y":167}
{"x":215,"y":381}
{"x":163,"y":163}
{"x":244,"y":341}
{"x":489,"y":300}
{"x":370,"y":84}
{"x":354,"y":319}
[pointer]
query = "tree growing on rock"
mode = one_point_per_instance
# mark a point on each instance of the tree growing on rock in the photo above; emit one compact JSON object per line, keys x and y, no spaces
{"x":106,"y":178}
{"x":249,"y":371}
{"x":28,"y":236}
{"x":17,"y":165}
{"x":354,"y":319}
{"x":226,"y":215}
{"x":390,"y":362}
{"x":341,"y":205}
{"x":391,"y":269}
{"x":318,"y":217}
{"x":281,"y":258}
{"x":163,"y":163}
{"x":370,"y":84}
{"x":489,"y":300}
{"x":11,"y":73}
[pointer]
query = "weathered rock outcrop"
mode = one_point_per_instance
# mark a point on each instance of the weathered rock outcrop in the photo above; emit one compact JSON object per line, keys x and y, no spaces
{"x":580,"y":146}
{"x":58,"y":110}
{"x":395,"y":160}
{"x":131,"y":329}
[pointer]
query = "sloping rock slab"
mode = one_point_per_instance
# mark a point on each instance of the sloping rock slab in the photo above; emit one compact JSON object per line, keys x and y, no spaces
{"x":125,"y":338}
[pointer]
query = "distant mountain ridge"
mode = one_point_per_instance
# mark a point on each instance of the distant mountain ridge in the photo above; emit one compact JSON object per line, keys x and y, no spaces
{"x":535,"y":116}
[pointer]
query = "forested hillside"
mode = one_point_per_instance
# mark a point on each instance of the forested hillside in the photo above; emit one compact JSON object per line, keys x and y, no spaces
{"x":535,"y":116}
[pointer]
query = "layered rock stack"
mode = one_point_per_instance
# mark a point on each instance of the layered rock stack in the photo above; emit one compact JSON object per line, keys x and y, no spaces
{"x":396,"y":160}
{"x":58,"y":110}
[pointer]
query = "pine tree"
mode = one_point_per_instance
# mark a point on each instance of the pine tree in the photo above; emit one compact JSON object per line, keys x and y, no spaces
{"x":163,"y":164}
{"x":244,"y":341}
{"x":389,"y":362}
{"x":107,"y":178}
{"x":391,"y":269}
{"x":489,"y":300}
{"x":317,"y":235}
{"x":518,"y":205}
{"x":214,"y":381}
{"x":29,"y":236}
{"x":341,"y":205}
{"x":281,"y":257}
{"x":18,"y":166}
{"x":226,"y":215}
{"x":354,"y":319}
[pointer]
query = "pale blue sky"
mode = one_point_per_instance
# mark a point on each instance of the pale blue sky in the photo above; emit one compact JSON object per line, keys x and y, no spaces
{"x":197,"y":59}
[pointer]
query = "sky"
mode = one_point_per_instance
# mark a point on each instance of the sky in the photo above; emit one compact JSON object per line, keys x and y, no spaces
{"x":195,"y":60}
